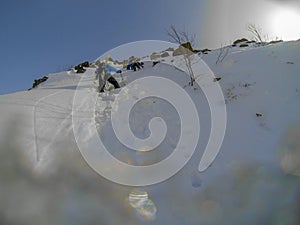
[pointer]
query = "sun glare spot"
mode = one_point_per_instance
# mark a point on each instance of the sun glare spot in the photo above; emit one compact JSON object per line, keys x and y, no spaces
{"x":285,"y":24}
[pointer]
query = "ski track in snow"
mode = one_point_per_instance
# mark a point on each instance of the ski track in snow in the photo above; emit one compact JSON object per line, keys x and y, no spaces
{"x":34,"y":123}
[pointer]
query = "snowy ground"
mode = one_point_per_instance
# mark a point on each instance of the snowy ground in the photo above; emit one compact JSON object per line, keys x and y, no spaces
{"x":254,"y":179}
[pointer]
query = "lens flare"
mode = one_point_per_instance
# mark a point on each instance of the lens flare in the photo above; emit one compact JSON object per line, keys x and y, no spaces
{"x":144,"y":207}
{"x":285,"y":23}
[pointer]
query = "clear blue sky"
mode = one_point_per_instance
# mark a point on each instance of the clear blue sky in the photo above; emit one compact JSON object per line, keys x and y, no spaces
{"x":43,"y":36}
{"x":38,"y":37}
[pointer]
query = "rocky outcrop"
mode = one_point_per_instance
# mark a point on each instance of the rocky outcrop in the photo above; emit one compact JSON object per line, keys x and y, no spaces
{"x":188,"y":46}
{"x":169,"y":50}
{"x":80,"y":67}
{"x":238,"y":41}
{"x":184,"y":49}
{"x":154,"y":56}
{"x":244,"y":45}
{"x":275,"y":42}
{"x":205,"y":51}
{"x":164,"y":54}
{"x":38,"y":81}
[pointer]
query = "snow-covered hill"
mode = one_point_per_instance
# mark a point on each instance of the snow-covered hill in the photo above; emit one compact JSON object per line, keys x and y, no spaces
{"x":253,"y":180}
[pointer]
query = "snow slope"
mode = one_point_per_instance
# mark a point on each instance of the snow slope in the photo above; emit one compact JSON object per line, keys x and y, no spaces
{"x":254,"y":179}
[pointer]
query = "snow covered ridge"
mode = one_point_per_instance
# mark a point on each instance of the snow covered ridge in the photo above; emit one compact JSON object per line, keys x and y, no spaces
{"x":254,"y":179}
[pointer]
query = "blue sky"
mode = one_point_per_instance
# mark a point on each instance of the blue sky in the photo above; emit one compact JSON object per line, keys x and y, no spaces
{"x":39,"y":37}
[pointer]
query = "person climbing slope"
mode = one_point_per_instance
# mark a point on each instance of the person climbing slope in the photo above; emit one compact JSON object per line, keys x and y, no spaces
{"x":104,"y":73}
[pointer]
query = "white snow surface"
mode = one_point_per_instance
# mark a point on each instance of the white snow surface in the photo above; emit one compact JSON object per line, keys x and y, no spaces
{"x":253,"y":180}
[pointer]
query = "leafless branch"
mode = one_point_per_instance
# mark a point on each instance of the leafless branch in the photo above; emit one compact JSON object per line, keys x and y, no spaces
{"x":256,"y":32}
{"x":174,"y":35}
{"x":223,"y":52}
{"x":181,"y":37}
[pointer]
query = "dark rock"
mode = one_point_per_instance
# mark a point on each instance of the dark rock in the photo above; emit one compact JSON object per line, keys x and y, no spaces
{"x":170,"y":49}
{"x":155,"y":62}
{"x":275,"y":42}
{"x":44,"y":78}
{"x":184,"y":49}
{"x":188,"y":46}
{"x":181,"y":51}
{"x":240,"y":41}
{"x":217,"y":79}
{"x":133,"y":59}
{"x":38,"y":81}
{"x":154,"y":56}
{"x":205,"y":51}
{"x":85,"y":64}
{"x":178,"y":51}
{"x":244,"y":45}
{"x":165,"y":54}
{"x":197,"y":51}
{"x":80,"y":67}
{"x":246,"y":85}
{"x":259,"y":114}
